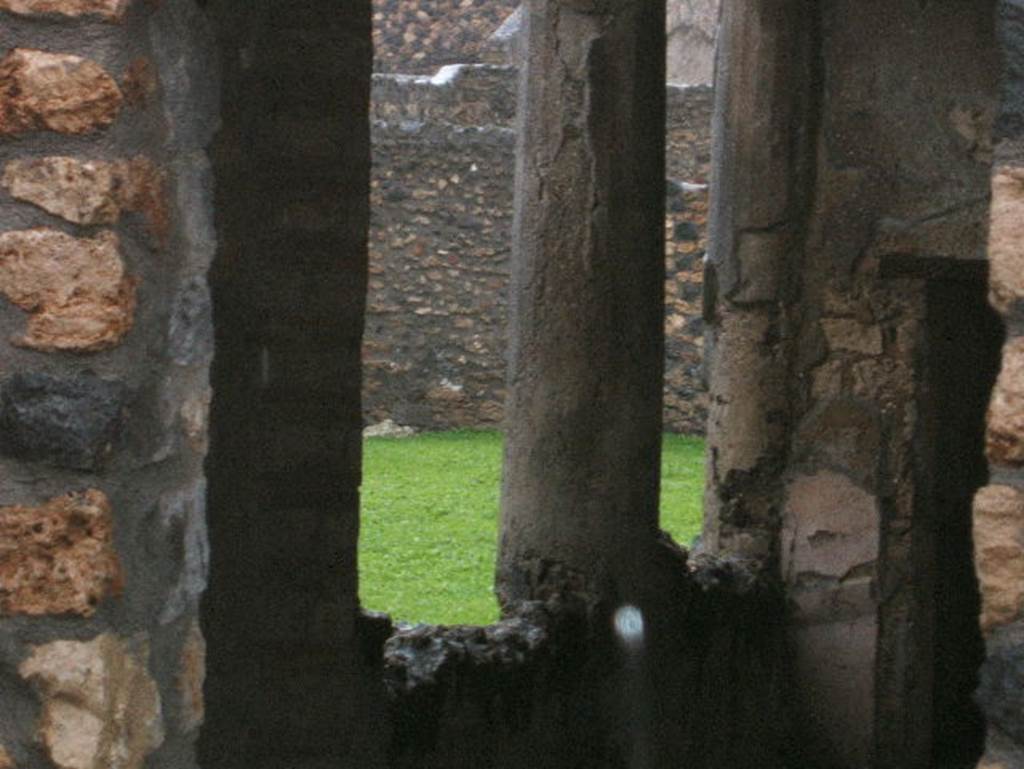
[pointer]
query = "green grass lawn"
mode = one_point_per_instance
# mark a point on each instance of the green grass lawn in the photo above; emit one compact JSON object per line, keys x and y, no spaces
{"x":430,"y":520}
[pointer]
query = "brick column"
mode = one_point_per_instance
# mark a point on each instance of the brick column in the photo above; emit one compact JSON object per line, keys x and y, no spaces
{"x":288,"y":677}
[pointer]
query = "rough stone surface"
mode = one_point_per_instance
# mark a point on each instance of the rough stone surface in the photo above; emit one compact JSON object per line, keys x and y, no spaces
{"x":191,"y":675}
{"x":142,"y":190}
{"x":1006,"y":411}
{"x":107,"y":108}
{"x":183,"y":517}
{"x":58,"y":558}
{"x":460,"y":94}
{"x":75,"y":290}
{"x":91,"y":191}
{"x":1006,"y":238}
{"x":999,"y":554}
{"x":84,"y":192}
{"x":107,"y":9}
{"x":1001,"y":752}
{"x":692,"y":28}
{"x":67,"y":422}
{"x":1001,"y":686}
{"x":422,"y":655}
{"x":388,"y":429}
{"x":55,"y":92}
{"x":848,"y":335}
{"x":139,"y":83}
{"x":434,"y":346}
{"x":101,"y":708}
{"x":441,"y":195}
{"x":190,"y":333}
{"x":421,"y":35}
{"x":195,"y":418}
{"x":418,"y":36}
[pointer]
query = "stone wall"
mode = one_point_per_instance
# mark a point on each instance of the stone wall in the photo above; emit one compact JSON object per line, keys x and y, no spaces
{"x":853,"y":353}
{"x":105,"y":109}
{"x":999,"y":506}
{"x":444,"y":155}
{"x":692,"y":28}
{"x":418,"y":36}
{"x":540,"y":688}
{"x":853,"y":361}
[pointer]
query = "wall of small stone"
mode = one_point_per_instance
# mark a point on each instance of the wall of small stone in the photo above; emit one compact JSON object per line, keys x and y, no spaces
{"x":418,"y":36}
{"x":441,"y":196}
{"x":434,"y":354}
{"x":106,"y":107}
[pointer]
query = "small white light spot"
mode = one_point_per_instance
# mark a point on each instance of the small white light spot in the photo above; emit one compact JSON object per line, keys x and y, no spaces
{"x":629,"y":625}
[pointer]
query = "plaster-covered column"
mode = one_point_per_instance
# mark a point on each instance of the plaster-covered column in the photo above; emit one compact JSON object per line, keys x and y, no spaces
{"x":586,"y":348}
{"x":761,"y":185}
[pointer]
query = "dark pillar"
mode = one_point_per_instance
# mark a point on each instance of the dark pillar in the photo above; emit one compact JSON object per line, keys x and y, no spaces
{"x":288,"y":685}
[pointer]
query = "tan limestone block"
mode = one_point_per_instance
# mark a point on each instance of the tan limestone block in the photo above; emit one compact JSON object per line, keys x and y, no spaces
{"x":75,"y":290}
{"x":112,"y":10}
{"x":6,"y":762}
{"x":1006,"y":238}
{"x":101,"y":709}
{"x":1005,"y":436}
{"x":999,"y":554}
{"x":56,"y":92}
{"x":191,"y":675}
{"x":58,"y":558}
{"x":84,"y":192}
{"x":91,"y":191}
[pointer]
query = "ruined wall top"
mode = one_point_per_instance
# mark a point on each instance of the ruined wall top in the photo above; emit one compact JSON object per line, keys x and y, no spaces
{"x":692,"y":26}
{"x":419,"y":36}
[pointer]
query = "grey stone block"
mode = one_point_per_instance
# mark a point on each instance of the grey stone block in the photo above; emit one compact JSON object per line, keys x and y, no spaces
{"x":1001,"y":688}
{"x":69,"y":423}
